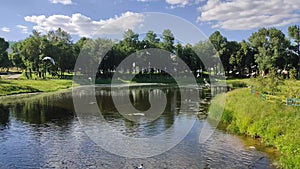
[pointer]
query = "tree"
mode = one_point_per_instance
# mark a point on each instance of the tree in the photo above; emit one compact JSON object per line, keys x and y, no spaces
{"x":151,"y":40}
{"x":130,"y":38}
{"x":242,"y":58}
{"x":30,"y":53}
{"x":180,"y":54}
{"x":110,"y":54}
{"x":271,"y":46}
{"x":62,"y":50}
{"x":190,"y":58}
{"x":81,"y":42}
{"x":130,"y":42}
{"x":3,"y":45}
{"x":15,"y":56}
{"x":231,"y":48}
{"x":4,"y":60}
{"x":223,"y":49}
{"x":294,"y":33}
{"x":168,"y":41}
{"x":207,"y":53}
{"x":236,"y":57}
{"x":218,"y":40}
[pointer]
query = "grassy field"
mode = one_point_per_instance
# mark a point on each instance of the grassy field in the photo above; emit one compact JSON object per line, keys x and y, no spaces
{"x":9,"y":87}
{"x":24,"y":85}
{"x":270,"y":121}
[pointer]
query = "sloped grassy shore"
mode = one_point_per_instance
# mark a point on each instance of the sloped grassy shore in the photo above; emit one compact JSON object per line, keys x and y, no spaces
{"x":10,"y":87}
{"x":272,"y":122}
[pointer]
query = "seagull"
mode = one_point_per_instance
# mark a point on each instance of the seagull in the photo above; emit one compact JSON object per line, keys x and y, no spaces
{"x":50,"y":59}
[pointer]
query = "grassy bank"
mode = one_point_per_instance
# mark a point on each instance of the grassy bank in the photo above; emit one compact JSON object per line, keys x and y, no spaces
{"x":23,"y":85}
{"x":9,"y":87}
{"x":272,"y":122}
{"x":147,"y":78}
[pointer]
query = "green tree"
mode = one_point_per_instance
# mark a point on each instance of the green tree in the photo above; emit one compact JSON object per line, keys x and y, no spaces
{"x":4,"y":60}
{"x":271,"y":46}
{"x":30,"y":53}
{"x":231,"y":49}
{"x":110,"y":54}
{"x":168,"y":41}
{"x":3,"y":45}
{"x":207,"y":53}
{"x":130,"y":43}
{"x":236,"y":57}
{"x":242,"y":58}
{"x":81,"y":42}
{"x":15,"y":56}
{"x":294,"y":33}
{"x":223,"y":49}
{"x":62,"y":50}
{"x":190,"y":58}
{"x":151,"y":40}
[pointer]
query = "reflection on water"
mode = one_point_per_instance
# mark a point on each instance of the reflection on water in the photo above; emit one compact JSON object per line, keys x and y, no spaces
{"x":4,"y":117}
{"x":43,"y":132}
{"x":137,"y":125}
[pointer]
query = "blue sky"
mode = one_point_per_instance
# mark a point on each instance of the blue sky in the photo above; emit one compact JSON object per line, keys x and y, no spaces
{"x":236,"y":19}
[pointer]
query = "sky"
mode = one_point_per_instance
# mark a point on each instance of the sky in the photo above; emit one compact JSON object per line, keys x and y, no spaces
{"x":189,"y":20}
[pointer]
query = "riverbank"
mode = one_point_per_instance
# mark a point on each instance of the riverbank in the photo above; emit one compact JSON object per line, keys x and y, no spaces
{"x":272,"y":123}
{"x":20,"y":86}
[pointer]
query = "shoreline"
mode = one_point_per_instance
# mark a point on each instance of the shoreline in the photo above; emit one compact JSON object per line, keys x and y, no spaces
{"x":71,"y":86}
{"x":273,"y":124}
{"x":228,"y":118}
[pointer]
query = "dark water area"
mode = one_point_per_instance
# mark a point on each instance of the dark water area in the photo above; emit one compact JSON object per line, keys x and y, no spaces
{"x":44,"y":132}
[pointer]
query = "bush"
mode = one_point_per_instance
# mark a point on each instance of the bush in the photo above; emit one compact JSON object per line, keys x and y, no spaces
{"x":268,"y":85}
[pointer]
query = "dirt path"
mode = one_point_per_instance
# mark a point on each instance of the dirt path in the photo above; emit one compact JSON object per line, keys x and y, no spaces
{"x":15,"y":76}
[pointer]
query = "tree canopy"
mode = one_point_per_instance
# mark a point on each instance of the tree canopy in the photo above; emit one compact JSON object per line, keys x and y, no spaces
{"x":266,"y":49}
{"x":4,"y":60}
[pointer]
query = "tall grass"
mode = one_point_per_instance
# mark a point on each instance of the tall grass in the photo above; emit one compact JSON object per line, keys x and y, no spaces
{"x":274,"y":123}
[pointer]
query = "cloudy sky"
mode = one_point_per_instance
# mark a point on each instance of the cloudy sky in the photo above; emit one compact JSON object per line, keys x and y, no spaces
{"x":236,"y":19}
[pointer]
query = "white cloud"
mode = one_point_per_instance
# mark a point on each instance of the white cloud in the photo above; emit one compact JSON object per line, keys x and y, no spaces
{"x":65,"y":2}
{"x":182,"y":3}
{"x":250,"y":14}
{"x":24,"y":29}
{"x":5,"y":29}
{"x":81,"y":25}
{"x":146,"y":0}
{"x":176,"y":3}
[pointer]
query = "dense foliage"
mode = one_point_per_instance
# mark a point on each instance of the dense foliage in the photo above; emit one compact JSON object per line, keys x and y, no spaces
{"x":4,"y":61}
{"x":265,"y":49}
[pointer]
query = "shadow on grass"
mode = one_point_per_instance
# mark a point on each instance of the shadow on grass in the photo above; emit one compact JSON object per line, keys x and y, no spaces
{"x":4,"y":82}
{"x":14,"y":89}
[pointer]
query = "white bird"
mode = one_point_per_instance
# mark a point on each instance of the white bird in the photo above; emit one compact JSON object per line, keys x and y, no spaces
{"x":50,"y":59}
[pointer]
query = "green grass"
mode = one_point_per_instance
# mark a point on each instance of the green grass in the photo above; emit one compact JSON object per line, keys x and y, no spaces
{"x":35,"y":76}
{"x":147,"y":79}
{"x":238,"y":83}
{"x":272,"y":122}
{"x":9,"y":87}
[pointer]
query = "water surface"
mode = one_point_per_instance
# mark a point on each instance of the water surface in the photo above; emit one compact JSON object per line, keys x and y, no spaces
{"x":43,"y":132}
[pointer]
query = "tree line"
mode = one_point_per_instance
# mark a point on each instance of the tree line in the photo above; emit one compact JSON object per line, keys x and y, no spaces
{"x":266,"y":49}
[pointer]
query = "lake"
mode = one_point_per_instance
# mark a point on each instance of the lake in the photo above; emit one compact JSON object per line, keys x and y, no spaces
{"x":44,"y":131}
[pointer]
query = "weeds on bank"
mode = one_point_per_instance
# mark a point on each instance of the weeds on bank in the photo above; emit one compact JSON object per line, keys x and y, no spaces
{"x":271,"y":121}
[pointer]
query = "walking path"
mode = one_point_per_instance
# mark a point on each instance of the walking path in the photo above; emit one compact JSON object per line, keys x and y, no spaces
{"x":15,"y":76}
